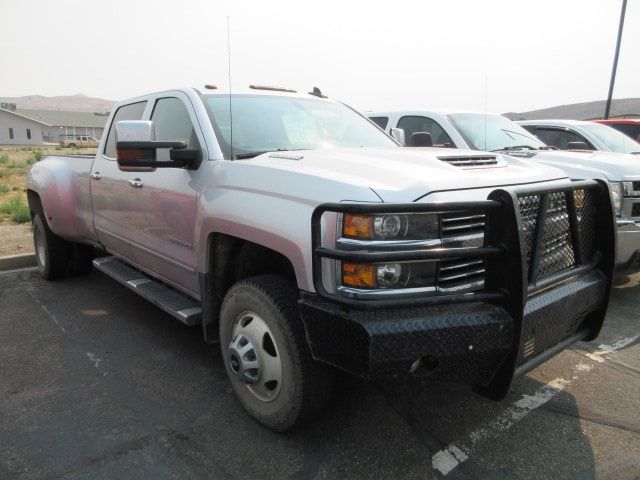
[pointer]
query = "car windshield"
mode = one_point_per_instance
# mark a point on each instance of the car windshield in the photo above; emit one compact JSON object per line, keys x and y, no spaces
{"x":264,"y":123}
{"x":612,"y":138}
{"x":492,"y":132}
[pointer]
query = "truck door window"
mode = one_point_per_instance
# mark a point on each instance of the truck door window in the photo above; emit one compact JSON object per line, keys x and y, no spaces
{"x":133,"y":111}
{"x":172,"y":124}
{"x":411,"y":124}
{"x":559,"y":138}
{"x":381,"y":121}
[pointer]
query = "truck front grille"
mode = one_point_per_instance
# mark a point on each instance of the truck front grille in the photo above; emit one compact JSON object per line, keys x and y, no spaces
{"x":461,"y":274}
{"x":461,"y":224}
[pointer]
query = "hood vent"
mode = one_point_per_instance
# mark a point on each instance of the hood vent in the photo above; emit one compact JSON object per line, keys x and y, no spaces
{"x":467,"y":161}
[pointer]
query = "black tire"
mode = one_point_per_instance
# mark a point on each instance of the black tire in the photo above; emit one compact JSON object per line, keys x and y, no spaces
{"x":306,"y":383}
{"x":72,"y":145}
{"x":81,"y":259}
{"x":56,"y":257}
{"x":52,"y":252}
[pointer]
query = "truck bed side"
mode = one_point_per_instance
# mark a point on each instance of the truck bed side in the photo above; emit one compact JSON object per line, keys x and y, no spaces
{"x":62,"y":185}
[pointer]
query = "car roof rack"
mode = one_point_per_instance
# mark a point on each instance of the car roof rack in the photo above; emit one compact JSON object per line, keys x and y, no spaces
{"x":273,"y":89}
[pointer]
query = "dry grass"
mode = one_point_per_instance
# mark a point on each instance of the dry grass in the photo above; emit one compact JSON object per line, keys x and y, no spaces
{"x":14,"y":166}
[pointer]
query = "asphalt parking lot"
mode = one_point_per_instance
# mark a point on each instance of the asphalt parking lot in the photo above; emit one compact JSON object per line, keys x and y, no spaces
{"x":96,"y":383}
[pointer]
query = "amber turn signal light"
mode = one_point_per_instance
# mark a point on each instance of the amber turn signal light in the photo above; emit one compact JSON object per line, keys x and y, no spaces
{"x":358,"y":275}
{"x":356,"y":226}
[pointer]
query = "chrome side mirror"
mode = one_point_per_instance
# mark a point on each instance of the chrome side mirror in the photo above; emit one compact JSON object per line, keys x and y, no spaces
{"x":398,"y":135}
{"x":136,"y":147}
{"x":135,"y":131}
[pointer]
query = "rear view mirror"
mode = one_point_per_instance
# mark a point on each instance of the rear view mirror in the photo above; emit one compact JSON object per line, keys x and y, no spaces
{"x":398,"y":135}
{"x":421,"y":139}
{"x":136,"y":147}
{"x":577,"y":146}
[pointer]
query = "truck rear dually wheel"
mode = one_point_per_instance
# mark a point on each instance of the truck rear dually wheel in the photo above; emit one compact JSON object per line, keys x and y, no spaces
{"x":266,"y":354}
{"x":56,"y":257}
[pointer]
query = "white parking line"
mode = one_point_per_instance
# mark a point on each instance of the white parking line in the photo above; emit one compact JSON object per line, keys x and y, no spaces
{"x":452,"y":455}
{"x":606,"y":349}
{"x":29,"y":290}
{"x":96,"y":361}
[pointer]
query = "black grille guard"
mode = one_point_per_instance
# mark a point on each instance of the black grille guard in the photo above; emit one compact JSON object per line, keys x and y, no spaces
{"x":512,"y":252}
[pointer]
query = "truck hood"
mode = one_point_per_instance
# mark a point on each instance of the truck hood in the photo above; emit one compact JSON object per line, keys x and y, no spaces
{"x":406,"y":174}
{"x":582,"y":165}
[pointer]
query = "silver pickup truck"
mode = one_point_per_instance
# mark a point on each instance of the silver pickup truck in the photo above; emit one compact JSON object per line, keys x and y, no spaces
{"x":302,"y":238}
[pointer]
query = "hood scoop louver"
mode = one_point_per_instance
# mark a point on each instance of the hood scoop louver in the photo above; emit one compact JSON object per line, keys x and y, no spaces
{"x":470,"y":161}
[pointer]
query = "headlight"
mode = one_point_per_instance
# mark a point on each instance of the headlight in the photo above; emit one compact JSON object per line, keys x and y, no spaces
{"x":422,"y":226}
{"x":389,"y":275}
{"x":615,"y":188}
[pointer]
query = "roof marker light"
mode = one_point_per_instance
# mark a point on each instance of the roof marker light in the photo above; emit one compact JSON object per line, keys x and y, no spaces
{"x":273,"y":89}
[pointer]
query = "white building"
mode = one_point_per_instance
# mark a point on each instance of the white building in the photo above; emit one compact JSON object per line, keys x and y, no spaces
{"x":34,"y":127}
{"x":16,"y":129}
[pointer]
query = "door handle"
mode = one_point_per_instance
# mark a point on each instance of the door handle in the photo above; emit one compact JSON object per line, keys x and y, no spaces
{"x":136,"y":183}
{"x":96,"y":176}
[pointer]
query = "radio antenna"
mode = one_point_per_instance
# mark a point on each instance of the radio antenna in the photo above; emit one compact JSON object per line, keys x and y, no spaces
{"x":229,"y":63}
{"x":486,"y":94}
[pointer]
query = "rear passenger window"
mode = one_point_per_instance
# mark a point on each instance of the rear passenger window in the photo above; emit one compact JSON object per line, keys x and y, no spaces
{"x":132,"y":111}
{"x":413,"y":124}
{"x":172,"y":123}
{"x":381,"y":121}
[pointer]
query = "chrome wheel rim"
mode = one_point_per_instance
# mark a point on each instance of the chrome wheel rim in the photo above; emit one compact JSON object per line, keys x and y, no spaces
{"x":37,"y":232}
{"x":253,"y":357}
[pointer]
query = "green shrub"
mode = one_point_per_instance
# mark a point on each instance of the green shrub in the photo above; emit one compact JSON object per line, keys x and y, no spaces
{"x":4,"y":188}
{"x":3,"y":159}
{"x":17,"y":210}
{"x":4,"y":172}
{"x":36,"y":157}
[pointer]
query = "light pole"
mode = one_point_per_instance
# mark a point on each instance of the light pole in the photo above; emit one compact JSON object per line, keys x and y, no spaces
{"x":615,"y":59}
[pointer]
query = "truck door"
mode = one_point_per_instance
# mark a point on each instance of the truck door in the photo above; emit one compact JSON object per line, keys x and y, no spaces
{"x":163,"y":216}
{"x":418,"y":123}
{"x":111,"y":194}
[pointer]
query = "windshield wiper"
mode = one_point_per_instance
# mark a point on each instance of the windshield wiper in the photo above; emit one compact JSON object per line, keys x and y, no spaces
{"x":514,"y":147}
{"x":244,"y":156}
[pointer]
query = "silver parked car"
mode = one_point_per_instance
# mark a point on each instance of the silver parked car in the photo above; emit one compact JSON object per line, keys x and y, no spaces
{"x":581,"y":135}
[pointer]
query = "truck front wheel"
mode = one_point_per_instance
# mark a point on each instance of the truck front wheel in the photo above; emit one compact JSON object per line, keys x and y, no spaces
{"x":266,"y":354}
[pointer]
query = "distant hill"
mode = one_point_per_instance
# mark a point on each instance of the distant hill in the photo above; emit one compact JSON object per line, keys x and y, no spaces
{"x":74,"y":103}
{"x":623,"y":107}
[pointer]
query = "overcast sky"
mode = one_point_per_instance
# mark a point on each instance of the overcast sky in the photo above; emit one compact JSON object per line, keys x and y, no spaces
{"x":533,"y":54}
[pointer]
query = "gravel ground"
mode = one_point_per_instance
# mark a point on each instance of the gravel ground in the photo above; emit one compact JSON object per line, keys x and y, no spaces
{"x":16,"y":239}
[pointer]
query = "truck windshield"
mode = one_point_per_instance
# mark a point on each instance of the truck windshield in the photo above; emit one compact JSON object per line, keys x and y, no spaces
{"x":265,"y":123}
{"x":612,"y":138}
{"x":492,"y":132}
